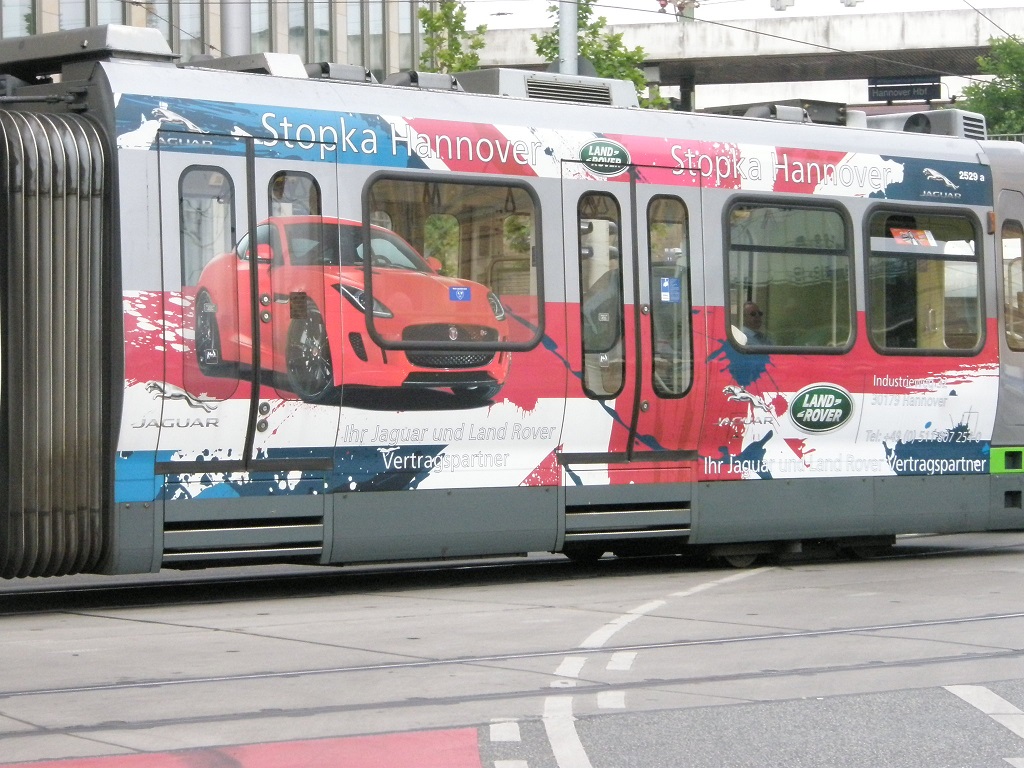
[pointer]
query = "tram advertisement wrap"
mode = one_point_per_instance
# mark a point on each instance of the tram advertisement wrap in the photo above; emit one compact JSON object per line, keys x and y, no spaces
{"x":763,"y":420}
{"x":858,"y":420}
{"x":179,"y":125}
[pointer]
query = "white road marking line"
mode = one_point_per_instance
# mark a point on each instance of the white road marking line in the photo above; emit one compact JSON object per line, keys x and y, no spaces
{"x":621,"y":661}
{"x":559,"y":722}
{"x":561,"y":729}
{"x":511,"y":764}
{"x":746,"y":574}
{"x":571,"y":666}
{"x":996,"y":707}
{"x":611,"y":700}
{"x":505,"y":730}
{"x":1016,"y":762}
{"x":603,"y":635}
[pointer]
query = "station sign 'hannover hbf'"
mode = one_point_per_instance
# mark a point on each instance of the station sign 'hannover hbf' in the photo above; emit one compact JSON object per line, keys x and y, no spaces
{"x":903,"y":89}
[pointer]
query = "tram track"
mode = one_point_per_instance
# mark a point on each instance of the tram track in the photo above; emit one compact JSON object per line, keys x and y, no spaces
{"x":539,"y":694}
{"x":485,"y":659}
{"x":302,"y":683}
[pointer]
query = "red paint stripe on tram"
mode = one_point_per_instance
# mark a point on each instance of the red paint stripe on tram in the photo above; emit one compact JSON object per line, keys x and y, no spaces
{"x":425,"y":749}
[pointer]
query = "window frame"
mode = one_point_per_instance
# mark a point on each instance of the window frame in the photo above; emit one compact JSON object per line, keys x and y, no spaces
{"x":687,"y":298}
{"x":229,"y":208}
{"x":285,"y":174}
{"x":536,"y":260}
{"x":978,"y":259}
{"x":1007,"y":324}
{"x":620,"y":333}
{"x":849,"y":252}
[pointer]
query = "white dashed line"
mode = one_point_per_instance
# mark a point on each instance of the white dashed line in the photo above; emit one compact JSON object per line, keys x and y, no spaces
{"x":505,"y":730}
{"x":511,"y":764}
{"x":559,"y":722}
{"x":621,"y":661}
{"x":996,"y":707}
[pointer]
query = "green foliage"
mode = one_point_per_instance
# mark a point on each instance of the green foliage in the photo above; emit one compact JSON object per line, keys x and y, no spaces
{"x":1001,"y":100}
{"x":442,"y":242}
{"x":447,"y":45}
{"x":518,"y":231}
{"x":605,"y":49}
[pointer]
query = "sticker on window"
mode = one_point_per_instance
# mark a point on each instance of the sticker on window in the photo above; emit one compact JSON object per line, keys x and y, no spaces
{"x":913,"y":237}
{"x":671,"y":290}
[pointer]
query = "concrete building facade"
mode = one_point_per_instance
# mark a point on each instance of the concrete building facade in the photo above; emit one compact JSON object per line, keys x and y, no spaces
{"x":381,"y":36}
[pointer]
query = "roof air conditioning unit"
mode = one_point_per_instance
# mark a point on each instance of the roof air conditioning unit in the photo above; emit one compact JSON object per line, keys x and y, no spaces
{"x":941,"y":122}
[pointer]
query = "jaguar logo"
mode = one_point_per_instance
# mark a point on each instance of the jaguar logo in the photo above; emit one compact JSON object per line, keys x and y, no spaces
{"x":165,"y":391}
{"x":932,"y":175}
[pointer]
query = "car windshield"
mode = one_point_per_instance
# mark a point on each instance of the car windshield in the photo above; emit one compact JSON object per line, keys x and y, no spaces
{"x":328,"y":244}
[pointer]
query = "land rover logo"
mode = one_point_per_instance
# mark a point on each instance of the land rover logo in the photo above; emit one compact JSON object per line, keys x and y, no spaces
{"x":604,"y":157}
{"x":821,"y":408}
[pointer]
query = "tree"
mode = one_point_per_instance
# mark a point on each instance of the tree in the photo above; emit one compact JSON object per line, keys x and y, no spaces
{"x":604,"y":49}
{"x":447,"y":45}
{"x":1000,"y":100}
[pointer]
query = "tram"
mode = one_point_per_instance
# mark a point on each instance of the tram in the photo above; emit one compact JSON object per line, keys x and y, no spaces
{"x":255,"y":310}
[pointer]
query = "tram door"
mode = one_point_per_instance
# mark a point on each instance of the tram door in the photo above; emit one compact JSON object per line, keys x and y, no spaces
{"x":633,"y":243}
{"x":1010,"y":234}
{"x":225,"y":240}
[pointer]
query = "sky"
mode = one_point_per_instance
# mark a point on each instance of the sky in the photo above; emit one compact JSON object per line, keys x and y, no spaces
{"x":519,"y":14}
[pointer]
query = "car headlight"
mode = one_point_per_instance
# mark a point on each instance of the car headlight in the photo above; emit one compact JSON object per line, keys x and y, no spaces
{"x":357,"y":296}
{"x":496,"y":308}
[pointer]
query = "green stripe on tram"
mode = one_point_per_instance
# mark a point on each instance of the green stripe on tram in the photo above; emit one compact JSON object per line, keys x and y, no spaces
{"x":1007,"y":460}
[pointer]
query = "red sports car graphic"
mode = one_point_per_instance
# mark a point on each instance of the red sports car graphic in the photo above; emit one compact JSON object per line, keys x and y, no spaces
{"x":311,"y":314}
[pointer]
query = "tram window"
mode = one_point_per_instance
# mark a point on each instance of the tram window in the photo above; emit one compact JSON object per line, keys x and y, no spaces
{"x":1013,"y":284}
{"x":294,"y":194}
{"x":483,"y":235}
{"x":206,"y":217}
{"x":601,"y":310}
{"x":670,"y":296}
{"x":206,"y":205}
{"x":924,"y":282}
{"x":789,"y":272}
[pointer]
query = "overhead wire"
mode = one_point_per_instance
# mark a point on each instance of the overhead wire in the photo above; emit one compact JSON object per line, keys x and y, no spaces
{"x":986,"y":18}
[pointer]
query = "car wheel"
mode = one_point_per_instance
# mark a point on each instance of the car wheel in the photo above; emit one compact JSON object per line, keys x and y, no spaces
{"x":477,"y":395}
{"x":310,"y":369}
{"x":207,"y":333}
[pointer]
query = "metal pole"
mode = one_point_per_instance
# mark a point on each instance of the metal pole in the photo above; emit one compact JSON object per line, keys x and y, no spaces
{"x":235,"y":27}
{"x":568,"y":45}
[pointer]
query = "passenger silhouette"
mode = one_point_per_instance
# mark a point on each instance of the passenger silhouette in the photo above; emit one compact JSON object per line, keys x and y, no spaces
{"x":753,"y":322}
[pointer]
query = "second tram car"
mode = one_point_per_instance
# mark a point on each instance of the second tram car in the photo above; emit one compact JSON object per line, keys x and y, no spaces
{"x":255,"y":311}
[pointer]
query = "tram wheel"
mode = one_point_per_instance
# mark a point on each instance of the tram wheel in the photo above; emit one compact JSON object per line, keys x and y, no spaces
{"x":308,"y":358}
{"x":740,"y":560}
{"x":868,"y":551}
{"x":583,"y":554}
{"x":207,"y":335}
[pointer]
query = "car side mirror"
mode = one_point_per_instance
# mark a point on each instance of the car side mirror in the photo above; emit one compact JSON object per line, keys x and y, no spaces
{"x":434,"y":263}
{"x":264,"y":253}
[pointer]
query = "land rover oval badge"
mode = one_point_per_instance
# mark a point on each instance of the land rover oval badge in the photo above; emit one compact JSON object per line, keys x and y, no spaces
{"x":604,"y":157}
{"x":821,"y":408}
